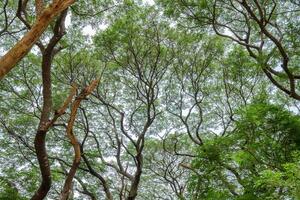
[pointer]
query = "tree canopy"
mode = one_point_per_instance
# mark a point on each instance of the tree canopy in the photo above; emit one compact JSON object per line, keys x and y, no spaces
{"x":140,"y":99}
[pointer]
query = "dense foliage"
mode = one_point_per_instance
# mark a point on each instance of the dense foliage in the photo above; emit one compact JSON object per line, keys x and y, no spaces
{"x":135,"y":99}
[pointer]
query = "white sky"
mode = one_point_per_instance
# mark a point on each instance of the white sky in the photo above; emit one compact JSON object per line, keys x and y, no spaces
{"x":150,"y":2}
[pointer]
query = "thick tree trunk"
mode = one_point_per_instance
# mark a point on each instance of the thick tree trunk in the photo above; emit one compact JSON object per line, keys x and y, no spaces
{"x":40,"y":147}
{"x":15,"y":54}
{"x":134,"y":187}
{"x":39,"y":7}
{"x":68,"y":183}
{"x":42,"y":156}
{"x":137,"y":177}
{"x":40,"y":138}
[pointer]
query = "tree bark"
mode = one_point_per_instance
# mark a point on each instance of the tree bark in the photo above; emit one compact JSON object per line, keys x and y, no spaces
{"x":39,"y":7}
{"x":45,"y":123}
{"x":76,"y":162}
{"x":39,"y":144}
{"x":137,"y":176}
{"x":40,"y":138}
{"x":40,"y":147}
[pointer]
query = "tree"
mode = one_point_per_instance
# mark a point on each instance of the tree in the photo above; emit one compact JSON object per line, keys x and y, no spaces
{"x":179,"y":112}
{"x":266,"y":29}
{"x":44,"y":16}
{"x":248,"y":163}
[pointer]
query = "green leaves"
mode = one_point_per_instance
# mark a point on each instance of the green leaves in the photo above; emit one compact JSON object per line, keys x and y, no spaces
{"x":203,"y":3}
{"x":166,"y":62}
{"x":261,"y":154}
{"x":287,"y":179}
{"x":244,"y":159}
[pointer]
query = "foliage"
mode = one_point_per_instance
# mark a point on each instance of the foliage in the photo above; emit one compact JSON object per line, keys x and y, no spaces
{"x":198,"y":99}
{"x":256,"y":160}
